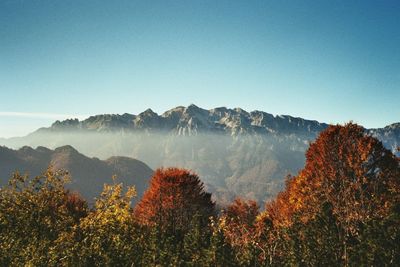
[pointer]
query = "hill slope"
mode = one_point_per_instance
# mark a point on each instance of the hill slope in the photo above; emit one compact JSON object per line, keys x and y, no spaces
{"x":88,"y":174}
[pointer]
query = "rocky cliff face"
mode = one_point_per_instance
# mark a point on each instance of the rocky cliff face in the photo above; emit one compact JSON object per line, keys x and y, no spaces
{"x":390,"y":136}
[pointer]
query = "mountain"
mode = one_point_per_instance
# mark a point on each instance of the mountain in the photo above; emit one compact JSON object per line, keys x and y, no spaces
{"x":235,"y":152}
{"x":192,"y":120}
{"x":389,"y":135}
{"x":88,"y":174}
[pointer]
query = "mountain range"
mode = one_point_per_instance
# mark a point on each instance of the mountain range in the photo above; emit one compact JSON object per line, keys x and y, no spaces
{"x":193,"y":120}
{"x":235,"y":152}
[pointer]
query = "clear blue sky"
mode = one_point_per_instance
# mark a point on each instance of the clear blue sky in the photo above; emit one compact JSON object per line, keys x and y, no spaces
{"x":332,"y":61}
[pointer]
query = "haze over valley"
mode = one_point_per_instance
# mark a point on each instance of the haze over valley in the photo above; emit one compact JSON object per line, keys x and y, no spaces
{"x":235,"y":152}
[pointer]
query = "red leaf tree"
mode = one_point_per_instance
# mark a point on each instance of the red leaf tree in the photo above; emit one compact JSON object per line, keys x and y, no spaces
{"x":174,"y":197}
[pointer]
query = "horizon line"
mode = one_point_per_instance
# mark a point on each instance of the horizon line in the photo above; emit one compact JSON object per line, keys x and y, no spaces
{"x":41,"y":115}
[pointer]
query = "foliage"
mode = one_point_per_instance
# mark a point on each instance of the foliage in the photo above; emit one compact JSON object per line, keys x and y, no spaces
{"x":34,"y":213}
{"x":174,"y":197}
{"x":357,"y":178}
{"x":240,"y":229}
{"x":107,"y":236}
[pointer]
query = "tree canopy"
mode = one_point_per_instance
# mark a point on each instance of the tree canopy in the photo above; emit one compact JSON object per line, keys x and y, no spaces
{"x":174,"y":197}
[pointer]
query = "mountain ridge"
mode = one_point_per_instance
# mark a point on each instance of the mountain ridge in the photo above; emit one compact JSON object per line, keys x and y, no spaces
{"x":87,"y":174}
{"x":192,"y":120}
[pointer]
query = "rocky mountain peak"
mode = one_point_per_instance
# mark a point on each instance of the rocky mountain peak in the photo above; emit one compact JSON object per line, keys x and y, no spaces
{"x":193,"y":109}
{"x":241,"y":111}
{"x":174,"y":112}
{"x":193,"y":120}
{"x":148,"y":113}
{"x":65,"y":123}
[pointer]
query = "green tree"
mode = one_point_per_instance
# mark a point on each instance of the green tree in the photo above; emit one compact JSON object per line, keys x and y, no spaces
{"x":195,"y":243}
{"x":219,"y":253}
{"x":379,"y":242}
{"x":315,"y":242}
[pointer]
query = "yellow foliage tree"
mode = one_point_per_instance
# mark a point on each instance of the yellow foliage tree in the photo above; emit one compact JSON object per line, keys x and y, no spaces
{"x":107,"y":236}
{"x":34,"y":213}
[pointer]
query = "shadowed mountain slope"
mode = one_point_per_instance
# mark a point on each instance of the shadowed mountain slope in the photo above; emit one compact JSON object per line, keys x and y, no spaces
{"x":88,"y":174}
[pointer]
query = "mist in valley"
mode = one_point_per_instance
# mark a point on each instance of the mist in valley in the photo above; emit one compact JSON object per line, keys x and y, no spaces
{"x":251,"y":166}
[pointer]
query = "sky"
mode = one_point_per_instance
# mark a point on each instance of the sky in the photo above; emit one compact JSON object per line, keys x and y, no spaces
{"x":331,"y":61}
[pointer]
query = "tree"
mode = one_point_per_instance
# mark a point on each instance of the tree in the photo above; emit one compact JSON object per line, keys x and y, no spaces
{"x":195,"y":243}
{"x":348,"y":169}
{"x":34,"y":213}
{"x":352,"y":171}
{"x":240,"y":230}
{"x":176,"y":209}
{"x":174,"y":197}
{"x":315,"y":241}
{"x":379,"y":242}
{"x":107,"y":236}
{"x":219,"y":252}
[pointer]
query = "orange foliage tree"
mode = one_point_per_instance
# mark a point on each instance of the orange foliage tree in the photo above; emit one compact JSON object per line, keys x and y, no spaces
{"x":239,"y":218}
{"x":347,"y":168}
{"x":351,"y":171}
{"x":174,"y":198}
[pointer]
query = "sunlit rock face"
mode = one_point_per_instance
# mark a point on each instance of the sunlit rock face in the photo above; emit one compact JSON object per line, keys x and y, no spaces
{"x":390,"y":136}
{"x":193,"y":120}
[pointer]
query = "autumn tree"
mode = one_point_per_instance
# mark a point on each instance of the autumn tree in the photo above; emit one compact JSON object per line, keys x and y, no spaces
{"x":107,"y":236}
{"x":272,"y":241}
{"x":240,"y":218}
{"x":177,"y":210}
{"x":352,"y":171}
{"x":349,"y":170}
{"x":174,"y":197}
{"x":34,"y":213}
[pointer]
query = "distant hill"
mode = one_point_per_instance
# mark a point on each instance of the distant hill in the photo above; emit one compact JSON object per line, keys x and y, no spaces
{"x":235,"y":152}
{"x":88,"y":174}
